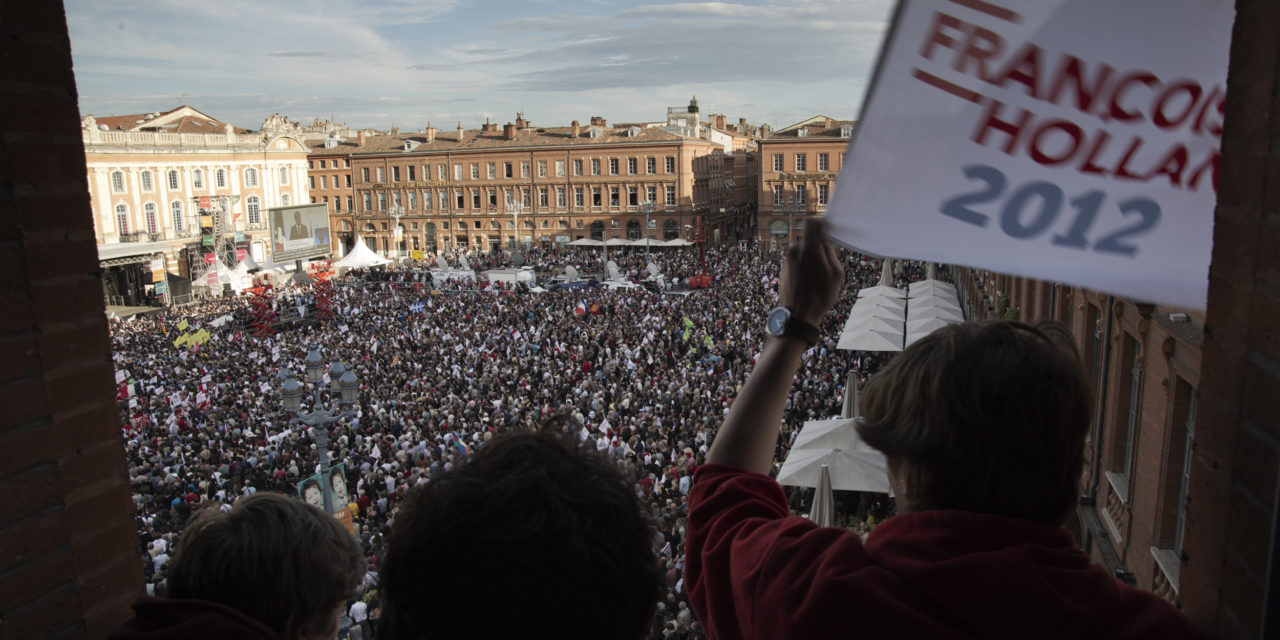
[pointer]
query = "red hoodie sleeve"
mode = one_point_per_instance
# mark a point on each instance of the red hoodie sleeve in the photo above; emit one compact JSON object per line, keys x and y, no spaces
{"x":754,"y":571}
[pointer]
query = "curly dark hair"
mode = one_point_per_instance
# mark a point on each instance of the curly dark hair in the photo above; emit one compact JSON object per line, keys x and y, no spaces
{"x":533,"y":536}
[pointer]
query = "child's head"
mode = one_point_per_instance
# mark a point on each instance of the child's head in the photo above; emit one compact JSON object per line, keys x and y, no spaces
{"x":986,"y":417}
{"x":281,"y":561}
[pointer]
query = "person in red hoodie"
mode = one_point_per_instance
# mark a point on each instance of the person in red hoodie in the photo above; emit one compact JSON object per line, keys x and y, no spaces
{"x":982,"y":426}
{"x":270,"y":568}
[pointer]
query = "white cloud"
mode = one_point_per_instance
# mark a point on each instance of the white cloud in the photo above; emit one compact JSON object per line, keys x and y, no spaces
{"x":375,"y":63}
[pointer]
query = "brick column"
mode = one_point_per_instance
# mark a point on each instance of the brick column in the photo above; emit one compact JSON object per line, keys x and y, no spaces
{"x":1232,"y":498}
{"x":68,"y":543}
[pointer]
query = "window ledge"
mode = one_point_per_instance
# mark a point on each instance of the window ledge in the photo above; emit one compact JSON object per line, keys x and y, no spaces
{"x":1119,"y":485}
{"x":1111,"y":527}
{"x":1170,"y":564}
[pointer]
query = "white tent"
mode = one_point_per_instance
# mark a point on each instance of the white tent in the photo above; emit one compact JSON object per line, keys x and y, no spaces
{"x":850,"y":470}
{"x":674,"y":242}
{"x":618,"y":242}
{"x":585,"y":242}
{"x":360,"y":256}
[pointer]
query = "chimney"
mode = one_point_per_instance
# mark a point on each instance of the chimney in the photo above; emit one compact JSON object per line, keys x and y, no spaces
{"x":360,"y":139}
{"x":598,"y":121}
{"x":509,"y":132}
{"x":395,"y":131}
{"x":720,"y":121}
{"x":764,"y":131}
{"x":577,"y":130}
{"x":460,"y":132}
{"x":431,"y":133}
{"x":742,"y":125}
{"x":521,"y":123}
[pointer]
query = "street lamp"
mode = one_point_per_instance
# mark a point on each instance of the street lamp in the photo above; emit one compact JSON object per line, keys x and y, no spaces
{"x":648,"y":206}
{"x":344,"y":382}
{"x":397,"y":234}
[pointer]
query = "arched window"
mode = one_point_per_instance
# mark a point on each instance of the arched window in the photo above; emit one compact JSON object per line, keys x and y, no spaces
{"x":633,"y":230}
{"x":250,"y":177}
{"x":147,"y":184}
{"x":284,"y":175}
{"x":117,"y":181}
{"x":122,"y":219}
{"x":173,"y":179}
{"x":368,"y":226}
{"x":670,"y":230}
{"x":178,"y":222}
{"x":220,"y":179}
{"x":597,"y":230}
{"x":284,"y":199}
{"x":252,"y":208}
{"x":197,"y":179}
{"x":149,"y":216}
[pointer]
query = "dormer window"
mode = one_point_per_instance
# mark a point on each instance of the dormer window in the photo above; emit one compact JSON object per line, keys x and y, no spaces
{"x":846,"y":130}
{"x":633,"y":132}
{"x":596,"y":132}
{"x":802,"y":132}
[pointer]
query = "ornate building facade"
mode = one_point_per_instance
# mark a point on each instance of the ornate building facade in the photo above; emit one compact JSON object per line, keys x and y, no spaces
{"x":148,"y":172}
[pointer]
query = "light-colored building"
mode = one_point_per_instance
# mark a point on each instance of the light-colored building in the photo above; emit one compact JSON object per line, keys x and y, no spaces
{"x":147,"y":174}
{"x":798,"y":169}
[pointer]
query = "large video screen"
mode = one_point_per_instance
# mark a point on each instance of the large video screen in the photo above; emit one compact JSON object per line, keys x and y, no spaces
{"x":299,"y":233}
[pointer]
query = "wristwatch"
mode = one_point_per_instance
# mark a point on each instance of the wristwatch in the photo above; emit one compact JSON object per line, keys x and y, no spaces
{"x":782,"y":323}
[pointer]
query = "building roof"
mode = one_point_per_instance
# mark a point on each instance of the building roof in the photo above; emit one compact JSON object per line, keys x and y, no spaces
{"x":815,"y":127}
{"x":182,"y":119}
{"x":477,"y":139}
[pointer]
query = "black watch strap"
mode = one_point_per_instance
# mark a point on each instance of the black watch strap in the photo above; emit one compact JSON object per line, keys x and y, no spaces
{"x":801,"y":329}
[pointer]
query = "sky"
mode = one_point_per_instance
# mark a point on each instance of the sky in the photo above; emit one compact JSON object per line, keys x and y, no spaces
{"x":379,"y":63}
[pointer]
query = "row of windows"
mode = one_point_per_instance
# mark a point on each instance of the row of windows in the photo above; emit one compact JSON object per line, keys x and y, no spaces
{"x":494,"y":170}
{"x":311,"y":164}
{"x":800,"y":197}
{"x":670,"y":227}
{"x":800,"y":162}
{"x":252,"y":206}
{"x":597,"y":196}
{"x":324,"y":181}
{"x":173,"y":180}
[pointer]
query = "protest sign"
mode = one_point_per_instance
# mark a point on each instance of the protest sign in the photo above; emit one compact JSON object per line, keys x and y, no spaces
{"x":1073,"y":141}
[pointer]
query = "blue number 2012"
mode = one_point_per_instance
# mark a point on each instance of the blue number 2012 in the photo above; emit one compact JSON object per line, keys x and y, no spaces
{"x":1033,"y":207}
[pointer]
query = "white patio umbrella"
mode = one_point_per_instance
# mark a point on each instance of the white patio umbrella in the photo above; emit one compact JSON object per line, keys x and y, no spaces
{"x":870,"y":341}
{"x":927,"y":287}
{"x":876,"y":311}
{"x":849,"y":470}
{"x":872,"y":323}
{"x":586,"y":242}
{"x":943,"y":301}
{"x":838,"y":433}
{"x":934,"y":310}
{"x":881,"y":291}
{"x":823,"y":512}
{"x":928,"y":324}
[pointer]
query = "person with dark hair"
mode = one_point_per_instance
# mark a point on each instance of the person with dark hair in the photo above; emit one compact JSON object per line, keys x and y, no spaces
{"x":270,"y":568}
{"x":982,"y":426}
{"x":534,"y":536}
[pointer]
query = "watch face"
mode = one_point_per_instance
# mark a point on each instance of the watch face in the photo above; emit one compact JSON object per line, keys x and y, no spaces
{"x":777,"y":321}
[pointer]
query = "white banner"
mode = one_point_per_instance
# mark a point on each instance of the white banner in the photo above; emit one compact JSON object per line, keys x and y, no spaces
{"x":1074,"y":141}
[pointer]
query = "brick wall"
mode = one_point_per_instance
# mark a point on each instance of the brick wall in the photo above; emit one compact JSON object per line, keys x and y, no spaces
{"x":1238,"y":437}
{"x":68,"y":546}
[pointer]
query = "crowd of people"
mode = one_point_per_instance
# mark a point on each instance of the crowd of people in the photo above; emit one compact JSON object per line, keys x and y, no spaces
{"x":646,"y":378}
